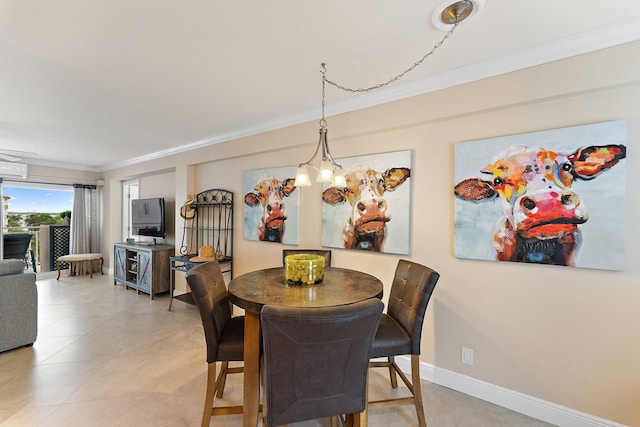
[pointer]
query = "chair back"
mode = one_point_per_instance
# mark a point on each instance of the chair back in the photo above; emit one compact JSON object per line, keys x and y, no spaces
{"x":316,"y":359}
{"x":411,"y":290}
{"x":326,"y":253}
{"x":15,"y":245}
{"x":209,"y":292}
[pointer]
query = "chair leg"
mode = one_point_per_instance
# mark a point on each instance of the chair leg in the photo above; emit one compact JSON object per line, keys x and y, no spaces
{"x":211,"y":391}
{"x":413,"y":386}
{"x":417,"y":389}
{"x":359,"y":420}
{"x":222,"y":376}
{"x":392,"y":372}
{"x":222,"y":379}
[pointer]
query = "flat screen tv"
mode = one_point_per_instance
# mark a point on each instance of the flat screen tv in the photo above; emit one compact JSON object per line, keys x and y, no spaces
{"x":147,"y":217}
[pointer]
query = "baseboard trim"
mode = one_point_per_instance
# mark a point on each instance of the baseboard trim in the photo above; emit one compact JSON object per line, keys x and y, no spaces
{"x":531,"y":406}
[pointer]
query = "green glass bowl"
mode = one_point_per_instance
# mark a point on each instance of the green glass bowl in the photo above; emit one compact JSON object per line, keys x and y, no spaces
{"x":304,"y":269}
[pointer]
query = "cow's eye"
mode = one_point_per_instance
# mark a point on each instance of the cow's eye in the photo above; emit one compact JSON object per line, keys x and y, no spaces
{"x":567,"y":167}
{"x":498,"y":182}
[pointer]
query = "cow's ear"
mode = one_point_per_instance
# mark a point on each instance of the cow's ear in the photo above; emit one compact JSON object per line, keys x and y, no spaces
{"x":288,"y":187}
{"x":251,"y":199}
{"x":393,"y":177}
{"x":589,"y":162}
{"x":333,"y":195}
{"x":474,"y":189}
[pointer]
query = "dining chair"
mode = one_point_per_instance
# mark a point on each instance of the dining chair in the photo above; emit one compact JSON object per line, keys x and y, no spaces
{"x":326,"y":253}
{"x":400,"y":330}
{"x":224,"y":333}
{"x":315,"y":361}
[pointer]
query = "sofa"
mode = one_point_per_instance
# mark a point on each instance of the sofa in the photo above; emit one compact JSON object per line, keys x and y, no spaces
{"x":18,"y":305}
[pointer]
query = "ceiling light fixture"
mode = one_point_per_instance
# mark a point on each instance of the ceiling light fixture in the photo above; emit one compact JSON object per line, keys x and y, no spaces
{"x":331,"y":172}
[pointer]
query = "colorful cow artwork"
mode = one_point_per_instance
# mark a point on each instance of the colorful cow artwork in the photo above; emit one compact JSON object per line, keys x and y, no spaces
{"x":369,"y":212}
{"x":541,"y":213}
{"x":268,"y":195}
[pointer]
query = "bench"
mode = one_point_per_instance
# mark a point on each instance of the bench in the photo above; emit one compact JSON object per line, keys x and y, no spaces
{"x":75,"y":258}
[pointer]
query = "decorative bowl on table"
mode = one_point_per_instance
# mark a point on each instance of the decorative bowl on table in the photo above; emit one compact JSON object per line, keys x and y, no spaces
{"x":304,"y":269}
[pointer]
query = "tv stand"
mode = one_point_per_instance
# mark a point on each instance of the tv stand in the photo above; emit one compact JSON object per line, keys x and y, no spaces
{"x":143,"y":266}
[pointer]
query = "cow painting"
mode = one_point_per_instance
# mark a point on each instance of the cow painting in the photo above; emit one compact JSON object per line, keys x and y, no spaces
{"x":365,"y":225}
{"x":541,"y":213}
{"x":268,"y":196}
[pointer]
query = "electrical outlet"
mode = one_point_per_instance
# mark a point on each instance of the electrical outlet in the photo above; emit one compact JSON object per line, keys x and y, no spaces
{"x":466,"y":356}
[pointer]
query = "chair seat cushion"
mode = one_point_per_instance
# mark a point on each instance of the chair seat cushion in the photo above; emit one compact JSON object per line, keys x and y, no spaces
{"x":391,"y":339}
{"x":231,"y":346}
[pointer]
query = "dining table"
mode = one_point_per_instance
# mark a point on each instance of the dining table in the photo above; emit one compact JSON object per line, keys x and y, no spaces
{"x":251,"y":291}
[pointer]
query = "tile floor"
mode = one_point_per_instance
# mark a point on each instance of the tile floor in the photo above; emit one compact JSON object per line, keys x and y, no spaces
{"x":106,"y":356}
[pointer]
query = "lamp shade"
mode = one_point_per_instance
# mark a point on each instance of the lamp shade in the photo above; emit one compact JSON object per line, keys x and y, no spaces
{"x":339,"y":179}
{"x":325,"y":174}
{"x":302,"y":177}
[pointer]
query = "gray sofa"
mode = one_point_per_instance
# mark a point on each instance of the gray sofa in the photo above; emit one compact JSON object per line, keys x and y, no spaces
{"x":18,"y":305}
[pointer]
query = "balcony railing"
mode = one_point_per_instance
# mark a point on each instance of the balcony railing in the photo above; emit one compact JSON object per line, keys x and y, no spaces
{"x":47,"y":243}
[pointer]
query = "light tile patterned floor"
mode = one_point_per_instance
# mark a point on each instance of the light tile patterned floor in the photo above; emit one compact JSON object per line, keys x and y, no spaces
{"x":106,"y":356}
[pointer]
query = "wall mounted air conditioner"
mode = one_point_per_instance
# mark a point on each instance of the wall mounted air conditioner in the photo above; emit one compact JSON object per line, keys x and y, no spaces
{"x":13,"y":170}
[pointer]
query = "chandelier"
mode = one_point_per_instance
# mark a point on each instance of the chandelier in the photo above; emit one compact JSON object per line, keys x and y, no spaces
{"x":331,"y":172}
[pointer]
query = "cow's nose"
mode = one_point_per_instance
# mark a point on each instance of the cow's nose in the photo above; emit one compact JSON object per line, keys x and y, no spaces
{"x":379,"y":204}
{"x":570,"y":199}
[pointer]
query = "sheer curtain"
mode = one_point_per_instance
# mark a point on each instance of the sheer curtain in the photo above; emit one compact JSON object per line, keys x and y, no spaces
{"x":84,"y":222}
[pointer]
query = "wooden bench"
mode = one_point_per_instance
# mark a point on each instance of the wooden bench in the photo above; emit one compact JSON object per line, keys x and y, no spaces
{"x":75,"y":258}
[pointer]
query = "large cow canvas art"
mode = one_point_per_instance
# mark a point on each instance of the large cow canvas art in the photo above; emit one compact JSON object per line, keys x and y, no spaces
{"x":373,"y":213}
{"x":271,"y":205}
{"x":552,"y":197}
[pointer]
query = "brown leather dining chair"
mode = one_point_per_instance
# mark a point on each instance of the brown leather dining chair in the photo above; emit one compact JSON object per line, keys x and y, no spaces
{"x":326,"y":253}
{"x":224,"y":334}
{"x":316,"y":361}
{"x":400,"y":330}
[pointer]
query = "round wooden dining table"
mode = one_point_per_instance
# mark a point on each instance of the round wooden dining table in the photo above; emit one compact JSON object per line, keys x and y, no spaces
{"x":253,"y":290}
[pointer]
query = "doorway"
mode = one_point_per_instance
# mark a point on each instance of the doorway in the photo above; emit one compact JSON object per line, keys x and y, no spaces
{"x":130,"y":191}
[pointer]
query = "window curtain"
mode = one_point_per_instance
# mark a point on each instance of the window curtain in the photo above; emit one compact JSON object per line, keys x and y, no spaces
{"x":84,"y":223}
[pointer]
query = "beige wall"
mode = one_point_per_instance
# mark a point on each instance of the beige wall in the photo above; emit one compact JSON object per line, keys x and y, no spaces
{"x":564,"y":335}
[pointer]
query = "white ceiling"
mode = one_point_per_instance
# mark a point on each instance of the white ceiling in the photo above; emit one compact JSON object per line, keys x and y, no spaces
{"x":98,"y":84}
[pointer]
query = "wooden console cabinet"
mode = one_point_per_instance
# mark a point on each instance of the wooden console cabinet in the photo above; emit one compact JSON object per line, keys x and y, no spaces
{"x":143,"y":268}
